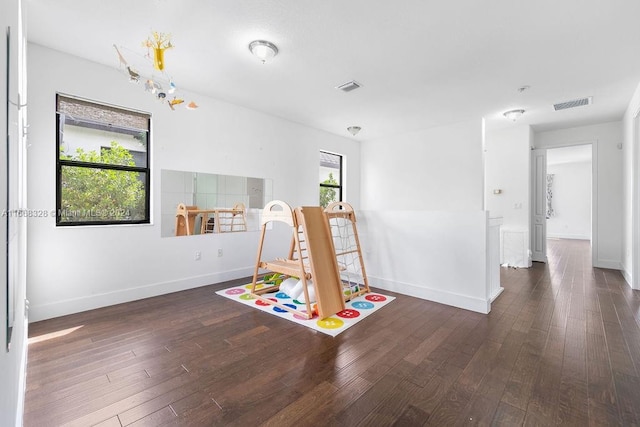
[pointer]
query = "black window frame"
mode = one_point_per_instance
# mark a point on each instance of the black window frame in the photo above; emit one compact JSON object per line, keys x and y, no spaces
{"x":340,"y":186}
{"x":60,"y":163}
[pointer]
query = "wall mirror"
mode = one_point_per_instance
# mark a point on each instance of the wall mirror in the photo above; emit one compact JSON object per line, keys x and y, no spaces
{"x":211,"y":198}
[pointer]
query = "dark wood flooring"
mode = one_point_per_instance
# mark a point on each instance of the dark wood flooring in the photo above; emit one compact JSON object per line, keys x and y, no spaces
{"x":560,"y":346}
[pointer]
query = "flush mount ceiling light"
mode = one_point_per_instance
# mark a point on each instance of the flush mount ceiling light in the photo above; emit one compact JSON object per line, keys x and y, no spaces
{"x":354,"y":130}
{"x":263,"y":50}
{"x":513,"y":114}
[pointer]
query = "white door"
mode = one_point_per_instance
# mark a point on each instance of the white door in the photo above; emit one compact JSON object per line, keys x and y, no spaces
{"x":539,"y":205}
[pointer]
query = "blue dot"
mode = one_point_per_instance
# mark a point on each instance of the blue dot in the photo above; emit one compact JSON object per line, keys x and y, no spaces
{"x":282,"y":295}
{"x":363,"y":305}
{"x":282,"y":310}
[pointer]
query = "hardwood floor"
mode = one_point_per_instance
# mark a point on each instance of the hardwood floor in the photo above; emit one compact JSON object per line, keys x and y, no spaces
{"x":560,"y":346}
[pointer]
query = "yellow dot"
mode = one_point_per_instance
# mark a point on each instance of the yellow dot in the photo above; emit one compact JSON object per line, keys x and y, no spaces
{"x":330,"y":323}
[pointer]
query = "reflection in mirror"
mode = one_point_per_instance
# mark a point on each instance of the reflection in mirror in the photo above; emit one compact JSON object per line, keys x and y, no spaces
{"x":199,"y":203}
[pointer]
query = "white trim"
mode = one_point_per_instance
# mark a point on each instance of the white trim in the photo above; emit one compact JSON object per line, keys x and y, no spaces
{"x":497,"y":293}
{"x":626,"y":275}
{"x":568,"y":236}
{"x":634,"y":152}
{"x":594,"y":202}
{"x":39,"y":312}
{"x":456,"y":300}
{"x":22,"y":380}
{"x":607,"y":263}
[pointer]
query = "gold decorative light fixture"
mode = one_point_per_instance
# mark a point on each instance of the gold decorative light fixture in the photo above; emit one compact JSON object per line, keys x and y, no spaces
{"x":158,"y":82}
{"x":263,"y":50}
{"x":158,"y":42}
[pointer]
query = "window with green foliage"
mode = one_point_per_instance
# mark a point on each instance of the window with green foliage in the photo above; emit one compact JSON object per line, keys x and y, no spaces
{"x":102,"y":163}
{"x":330,"y":178}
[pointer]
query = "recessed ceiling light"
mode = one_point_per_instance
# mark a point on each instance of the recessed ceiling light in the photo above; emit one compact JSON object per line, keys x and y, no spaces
{"x":263,"y":50}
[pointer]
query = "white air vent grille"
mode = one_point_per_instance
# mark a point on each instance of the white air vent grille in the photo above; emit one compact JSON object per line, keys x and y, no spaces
{"x":349,"y":86}
{"x":574,"y":103}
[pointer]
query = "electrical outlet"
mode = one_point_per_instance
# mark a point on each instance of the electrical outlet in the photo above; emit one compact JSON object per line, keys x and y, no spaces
{"x":219,"y":252}
{"x":198,"y":256}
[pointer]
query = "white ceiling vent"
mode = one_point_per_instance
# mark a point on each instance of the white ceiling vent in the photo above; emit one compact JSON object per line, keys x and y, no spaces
{"x":574,"y":103}
{"x":349,"y":86}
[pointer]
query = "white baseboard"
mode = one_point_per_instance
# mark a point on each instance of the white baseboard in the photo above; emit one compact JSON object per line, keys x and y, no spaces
{"x":627,"y":276}
{"x":456,"y":300}
{"x":607,"y":263}
{"x":76,"y":305}
{"x":568,"y":236}
{"x":496,"y":294}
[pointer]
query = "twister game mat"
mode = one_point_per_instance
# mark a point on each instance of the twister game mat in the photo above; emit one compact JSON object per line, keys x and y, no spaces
{"x":356,"y":309}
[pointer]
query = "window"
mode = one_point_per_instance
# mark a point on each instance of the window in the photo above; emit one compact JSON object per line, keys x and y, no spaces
{"x":330,"y":178}
{"x":103,"y":174}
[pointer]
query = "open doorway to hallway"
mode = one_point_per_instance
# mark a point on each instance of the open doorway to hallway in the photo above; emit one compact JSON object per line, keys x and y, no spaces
{"x":569,"y":193}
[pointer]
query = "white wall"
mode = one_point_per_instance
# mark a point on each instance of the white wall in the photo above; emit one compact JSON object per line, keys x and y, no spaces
{"x":631,"y":187}
{"x":435,"y":255}
{"x":114,"y":264}
{"x":607,"y":137}
{"x":507,"y":168}
{"x":571,"y":201}
{"x":12,"y":361}
{"x":434,"y":169}
{"x":423,"y":229}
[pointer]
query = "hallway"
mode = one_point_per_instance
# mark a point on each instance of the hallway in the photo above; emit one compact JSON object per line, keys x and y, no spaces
{"x":581,"y":356}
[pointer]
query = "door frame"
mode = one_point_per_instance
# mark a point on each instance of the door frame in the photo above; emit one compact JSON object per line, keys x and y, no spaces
{"x":635,"y":201}
{"x":594,"y":194}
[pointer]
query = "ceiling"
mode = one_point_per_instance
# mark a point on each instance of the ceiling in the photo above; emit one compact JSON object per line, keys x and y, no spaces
{"x":421,"y":63}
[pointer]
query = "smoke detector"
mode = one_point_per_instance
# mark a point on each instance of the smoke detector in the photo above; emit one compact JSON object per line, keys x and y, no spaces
{"x":573,"y":103}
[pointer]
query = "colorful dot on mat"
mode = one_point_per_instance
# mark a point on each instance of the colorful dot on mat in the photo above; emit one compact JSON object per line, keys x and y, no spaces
{"x":258,"y":286}
{"x":375,"y":298}
{"x":348,"y":314}
{"x":234,"y":291}
{"x":330,"y":323}
{"x":282,"y":295}
{"x":282,"y":310}
{"x":246,"y":297}
{"x":362,"y":305}
{"x":262,"y":303}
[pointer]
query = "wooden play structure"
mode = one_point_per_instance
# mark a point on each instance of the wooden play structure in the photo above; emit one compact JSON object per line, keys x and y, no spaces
{"x":342,"y":223}
{"x":313,"y":257}
{"x":225,"y":220}
{"x":216,"y":220}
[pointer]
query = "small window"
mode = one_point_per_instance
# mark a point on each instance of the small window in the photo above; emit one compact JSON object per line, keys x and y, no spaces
{"x":103,"y":174}
{"x":330,"y":178}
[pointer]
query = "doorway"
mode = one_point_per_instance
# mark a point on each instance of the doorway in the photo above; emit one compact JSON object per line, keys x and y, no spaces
{"x":564,"y":196}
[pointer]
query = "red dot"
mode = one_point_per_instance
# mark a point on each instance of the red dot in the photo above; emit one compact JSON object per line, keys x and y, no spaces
{"x":375,"y":298}
{"x":262,"y":303}
{"x":348,"y":314}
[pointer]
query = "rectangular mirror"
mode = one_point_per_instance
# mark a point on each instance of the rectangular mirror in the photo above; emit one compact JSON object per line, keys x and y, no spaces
{"x":195,"y":203}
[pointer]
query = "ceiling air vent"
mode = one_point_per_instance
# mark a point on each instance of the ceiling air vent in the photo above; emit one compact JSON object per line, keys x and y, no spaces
{"x":349,"y":86}
{"x":574,"y":103}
